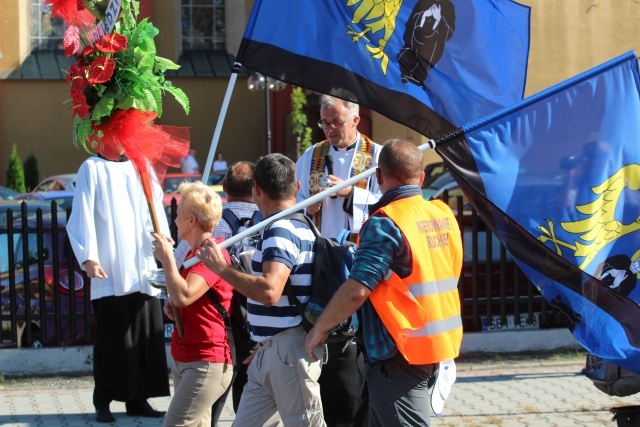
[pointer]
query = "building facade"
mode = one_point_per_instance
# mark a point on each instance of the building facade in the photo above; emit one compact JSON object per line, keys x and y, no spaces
{"x":567,"y":37}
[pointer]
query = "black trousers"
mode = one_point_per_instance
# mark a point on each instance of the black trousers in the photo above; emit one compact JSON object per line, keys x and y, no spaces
{"x":129,"y":358}
{"x":343,"y":388}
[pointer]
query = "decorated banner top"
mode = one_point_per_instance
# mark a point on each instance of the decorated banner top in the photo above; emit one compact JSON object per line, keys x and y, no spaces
{"x":117,"y":83}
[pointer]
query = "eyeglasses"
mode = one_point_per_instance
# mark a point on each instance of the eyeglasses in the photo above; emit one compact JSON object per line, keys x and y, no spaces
{"x":336,"y":124}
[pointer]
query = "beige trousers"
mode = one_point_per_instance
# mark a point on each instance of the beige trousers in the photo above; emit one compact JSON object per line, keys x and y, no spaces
{"x":197,"y":385}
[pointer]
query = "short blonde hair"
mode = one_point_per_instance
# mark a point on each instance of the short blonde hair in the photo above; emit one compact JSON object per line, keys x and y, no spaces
{"x":201,"y":202}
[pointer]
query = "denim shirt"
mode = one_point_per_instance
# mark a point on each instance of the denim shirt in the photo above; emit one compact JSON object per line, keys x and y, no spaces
{"x":382,"y":248}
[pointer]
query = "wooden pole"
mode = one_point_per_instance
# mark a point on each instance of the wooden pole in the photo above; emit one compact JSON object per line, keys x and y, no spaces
{"x":146,"y":186}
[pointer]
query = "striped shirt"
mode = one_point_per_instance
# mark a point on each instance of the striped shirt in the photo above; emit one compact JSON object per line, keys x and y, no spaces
{"x":291,"y":243}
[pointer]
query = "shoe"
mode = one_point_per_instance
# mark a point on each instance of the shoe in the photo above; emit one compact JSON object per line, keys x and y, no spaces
{"x":104,"y":415}
{"x":143,"y":409}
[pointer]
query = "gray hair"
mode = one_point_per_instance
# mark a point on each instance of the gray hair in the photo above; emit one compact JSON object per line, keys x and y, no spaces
{"x":331,"y":101}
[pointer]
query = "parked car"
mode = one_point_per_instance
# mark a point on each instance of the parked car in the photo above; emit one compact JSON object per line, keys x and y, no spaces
{"x":32,"y":206}
{"x":63,"y":199}
{"x":58,"y":182}
{"x":173,"y":180}
{"x":492,"y":284}
{"x":47,"y":275}
{"x":445,"y":187}
{"x":433,"y":171}
{"x":7,"y":193}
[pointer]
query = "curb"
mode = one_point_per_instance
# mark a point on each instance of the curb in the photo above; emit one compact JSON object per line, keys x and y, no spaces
{"x":79,"y":360}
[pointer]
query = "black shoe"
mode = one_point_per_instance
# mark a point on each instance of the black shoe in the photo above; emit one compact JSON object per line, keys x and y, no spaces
{"x":143,"y":409}
{"x":104,"y":415}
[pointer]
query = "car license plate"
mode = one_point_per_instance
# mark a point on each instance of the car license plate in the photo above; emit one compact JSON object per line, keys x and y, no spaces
{"x":168,"y":330}
{"x":495,"y":323}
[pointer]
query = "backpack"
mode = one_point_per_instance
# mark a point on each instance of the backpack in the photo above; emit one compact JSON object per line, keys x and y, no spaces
{"x":332,"y":262}
{"x":239,"y":224}
{"x":238,"y":318}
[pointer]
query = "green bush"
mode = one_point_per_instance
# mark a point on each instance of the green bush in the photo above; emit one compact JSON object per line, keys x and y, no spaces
{"x":299,"y":121}
{"x":31,"y":172}
{"x":15,"y":173}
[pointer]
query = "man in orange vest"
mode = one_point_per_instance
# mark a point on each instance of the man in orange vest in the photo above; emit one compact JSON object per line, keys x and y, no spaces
{"x":404,"y":275}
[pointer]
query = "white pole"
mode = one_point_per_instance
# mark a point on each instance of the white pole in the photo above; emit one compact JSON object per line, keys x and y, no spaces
{"x":218,"y":130}
{"x":325,"y":193}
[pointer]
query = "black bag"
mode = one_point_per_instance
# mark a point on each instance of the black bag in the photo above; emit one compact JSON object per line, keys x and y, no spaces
{"x":239,"y":224}
{"x":331,"y":265}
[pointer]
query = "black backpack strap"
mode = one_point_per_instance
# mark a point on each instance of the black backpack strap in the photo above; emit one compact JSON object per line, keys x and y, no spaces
{"x":288,"y":288}
{"x":257,"y":217}
{"x":227,"y":322}
{"x":231,"y":219}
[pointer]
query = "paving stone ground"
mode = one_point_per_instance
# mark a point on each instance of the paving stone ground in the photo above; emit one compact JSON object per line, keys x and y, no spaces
{"x":527,"y":391}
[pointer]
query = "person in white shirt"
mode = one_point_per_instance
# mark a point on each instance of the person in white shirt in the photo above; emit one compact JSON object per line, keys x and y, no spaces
{"x":220,"y":164}
{"x":190,"y":164}
{"x":109,"y":231}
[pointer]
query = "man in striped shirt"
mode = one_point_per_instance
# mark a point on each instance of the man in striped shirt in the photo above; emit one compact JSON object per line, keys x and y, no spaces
{"x":283,"y":381}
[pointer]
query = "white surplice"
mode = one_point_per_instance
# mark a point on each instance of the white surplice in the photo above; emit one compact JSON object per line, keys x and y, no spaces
{"x":110,"y":223}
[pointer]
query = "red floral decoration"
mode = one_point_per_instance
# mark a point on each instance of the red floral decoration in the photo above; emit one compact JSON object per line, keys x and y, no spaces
{"x":101,"y":70}
{"x":71,"y":41}
{"x":71,"y":12}
{"x":111,"y":43}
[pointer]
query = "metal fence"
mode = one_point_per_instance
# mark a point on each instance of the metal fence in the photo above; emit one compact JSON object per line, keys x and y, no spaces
{"x":46,"y":301}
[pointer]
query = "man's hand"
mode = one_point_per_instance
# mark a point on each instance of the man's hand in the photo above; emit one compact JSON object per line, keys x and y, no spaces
{"x":314,"y":208}
{"x":335,"y":181}
{"x":211,"y":256}
{"x":315,"y":338}
{"x":94,"y":270}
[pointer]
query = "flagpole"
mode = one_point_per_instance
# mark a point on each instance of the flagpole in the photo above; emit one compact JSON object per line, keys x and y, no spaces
{"x":221,"y":117}
{"x":303,"y":204}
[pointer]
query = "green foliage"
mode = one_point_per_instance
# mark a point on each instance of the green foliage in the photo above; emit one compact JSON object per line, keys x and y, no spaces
{"x":31,"y":172}
{"x":15,"y":173}
{"x":138,"y":80}
{"x":299,"y":120}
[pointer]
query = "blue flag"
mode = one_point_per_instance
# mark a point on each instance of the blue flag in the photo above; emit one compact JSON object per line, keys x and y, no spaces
{"x":432,"y":65}
{"x":557,"y":178}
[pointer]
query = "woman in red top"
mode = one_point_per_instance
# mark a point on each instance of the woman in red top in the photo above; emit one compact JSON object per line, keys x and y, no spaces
{"x":202,"y":366}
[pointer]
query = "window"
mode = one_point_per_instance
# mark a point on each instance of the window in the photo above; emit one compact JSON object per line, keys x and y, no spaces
{"x":203,"y":24}
{"x":45,"y":32}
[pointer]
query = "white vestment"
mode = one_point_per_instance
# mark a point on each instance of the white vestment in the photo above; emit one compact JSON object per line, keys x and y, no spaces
{"x":334,"y":218}
{"x":110,"y":223}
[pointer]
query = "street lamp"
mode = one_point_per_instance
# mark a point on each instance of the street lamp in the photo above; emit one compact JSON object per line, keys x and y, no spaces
{"x":258,"y":82}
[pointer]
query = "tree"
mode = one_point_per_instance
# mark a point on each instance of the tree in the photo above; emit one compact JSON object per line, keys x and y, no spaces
{"x":31,"y":173}
{"x":299,"y":121}
{"x":15,"y":173}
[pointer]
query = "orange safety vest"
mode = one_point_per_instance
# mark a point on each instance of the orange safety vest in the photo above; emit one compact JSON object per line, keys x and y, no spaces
{"x":422,"y":311}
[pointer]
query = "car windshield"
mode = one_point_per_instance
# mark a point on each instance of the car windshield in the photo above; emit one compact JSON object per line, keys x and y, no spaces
{"x":171,"y":184}
{"x":18,"y":251}
{"x":441,"y":181}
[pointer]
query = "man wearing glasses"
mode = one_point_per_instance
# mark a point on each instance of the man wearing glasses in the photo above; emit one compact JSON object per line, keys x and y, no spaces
{"x":345,"y":153}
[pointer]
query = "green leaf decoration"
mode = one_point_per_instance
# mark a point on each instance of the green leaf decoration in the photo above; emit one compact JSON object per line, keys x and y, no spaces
{"x":163,"y":64}
{"x":179,"y":95}
{"x":102,"y":109}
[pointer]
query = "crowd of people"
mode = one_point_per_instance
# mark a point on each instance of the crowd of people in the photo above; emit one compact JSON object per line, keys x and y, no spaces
{"x":406,"y":266}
